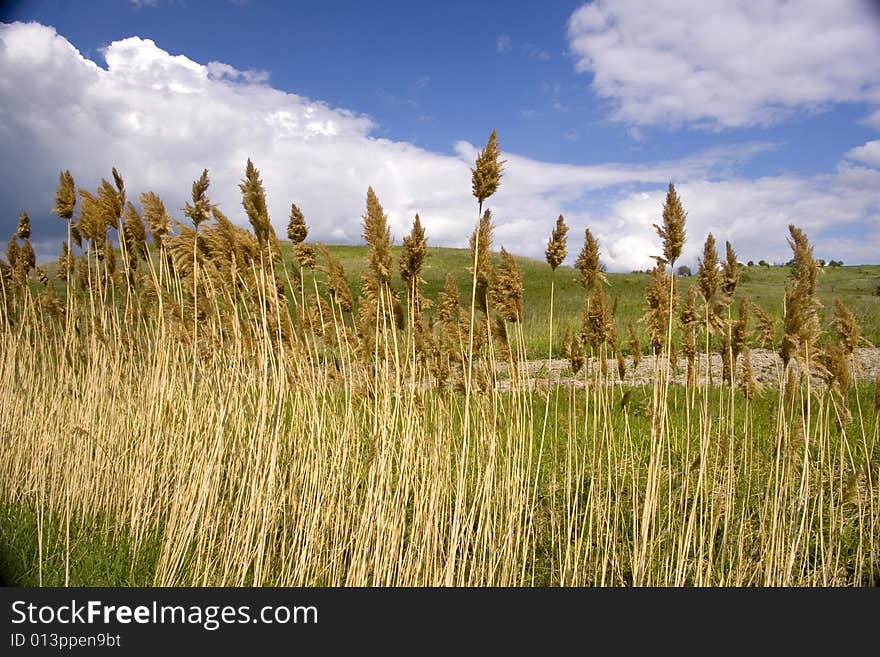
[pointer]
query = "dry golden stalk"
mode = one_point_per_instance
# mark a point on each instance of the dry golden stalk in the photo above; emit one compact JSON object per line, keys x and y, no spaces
{"x":155,"y":216}
{"x":41,"y":276}
{"x":587,"y":264}
{"x":305,"y":255}
{"x":672,"y":231}
{"x":297,"y":231}
{"x":480,"y":244}
{"x":635,"y":346}
{"x":556,"y":246}
{"x":133,"y":234}
{"x":729,"y":274}
{"x":707,"y":270}
{"x":24,"y":226}
{"x":877,"y":394}
{"x":621,"y":364}
{"x":846,"y":326}
{"x":65,"y":196}
{"x":486,"y":176}
{"x":200,"y":209}
{"x":337,"y":282}
{"x":766,"y":327}
{"x":507,"y":288}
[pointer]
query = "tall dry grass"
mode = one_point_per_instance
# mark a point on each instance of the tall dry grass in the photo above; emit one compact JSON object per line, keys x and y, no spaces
{"x":234,"y":422}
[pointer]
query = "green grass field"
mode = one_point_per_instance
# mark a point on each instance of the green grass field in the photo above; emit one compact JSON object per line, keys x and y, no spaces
{"x":857,"y":286}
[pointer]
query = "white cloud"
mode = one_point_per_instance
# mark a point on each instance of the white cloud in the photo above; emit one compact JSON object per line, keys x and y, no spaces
{"x":840,"y":213}
{"x":722,"y":63}
{"x":869,"y":153}
{"x":162,"y":118}
{"x":503,"y":43}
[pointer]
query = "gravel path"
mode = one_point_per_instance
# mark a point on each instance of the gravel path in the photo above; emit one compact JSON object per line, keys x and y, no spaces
{"x":766,"y":368}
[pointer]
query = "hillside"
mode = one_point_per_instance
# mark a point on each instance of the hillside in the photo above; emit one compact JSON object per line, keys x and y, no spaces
{"x":856,"y":286}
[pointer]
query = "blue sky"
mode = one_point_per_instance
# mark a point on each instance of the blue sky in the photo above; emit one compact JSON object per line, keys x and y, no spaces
{"x":762,"y":116}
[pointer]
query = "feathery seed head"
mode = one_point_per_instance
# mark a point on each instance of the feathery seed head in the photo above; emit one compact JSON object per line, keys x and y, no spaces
{"x":672,"y":231}
{"x":729,"y":274}
{"x":556,"y":247}
{"x":133,"y":233}
{"x":305,"y":255}
{"x":24,"y":226}
{"x":378,"y":236}
{"x":155,"y":216}
{"x":846,"y":326}
{"x":588,"y":266}
{"x":65,"y":196}
{"x":297,"y":231}
{"x":200,"y":209}
{"x":486,"y":176}
{"x":507,"y":288}
{"x":707,"y":270}
{"x":415,"y":250}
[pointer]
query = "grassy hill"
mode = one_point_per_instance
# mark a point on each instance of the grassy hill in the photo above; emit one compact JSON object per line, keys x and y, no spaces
{"x":857,"y":286}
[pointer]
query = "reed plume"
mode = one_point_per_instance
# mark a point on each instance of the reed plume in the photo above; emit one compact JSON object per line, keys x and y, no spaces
{"x":846,"y":326}
{"x":412,"y":259}
{"x":66,"y":263}
{"x":65,"y":196}
{"x":507,"y":288}
{"x":253,"y":199}
{"x":749,"y":385}
{"x":635,"y":346}
{"x":480,"y":244}
{"x":658,"y":300}
{"x":597,"y":321}
{"x":556,"y":246}
{"x":200,"y":209}
{"x":672,"y":230}
{"x":729,"y":275}
{"x":573,"y":347}
{"x":766,"y":326}
{"x":337,"y":281}
{"x":587,"y":263}
{"x":297,"y":231}
{"x":155,"y":216}
{"x":133,"y":234}
{"x":707,"y":270}
{"x":23,"y":231}
{"x":800,"y":322}
{"x":486,"y":175}
{"x":377,"y":234}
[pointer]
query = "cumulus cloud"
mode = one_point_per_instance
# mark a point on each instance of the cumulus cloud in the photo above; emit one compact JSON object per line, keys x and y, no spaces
{"x":719,"y":63}
{"x":869,"y":153}
{"x":161,"y":118}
